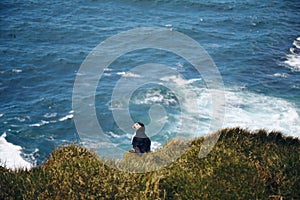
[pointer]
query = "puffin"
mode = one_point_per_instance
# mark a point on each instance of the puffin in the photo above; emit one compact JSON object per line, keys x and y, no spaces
{"x":140,"y":141}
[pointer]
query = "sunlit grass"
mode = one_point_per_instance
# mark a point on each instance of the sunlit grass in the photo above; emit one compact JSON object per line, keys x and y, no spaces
{"x":242,"y":165}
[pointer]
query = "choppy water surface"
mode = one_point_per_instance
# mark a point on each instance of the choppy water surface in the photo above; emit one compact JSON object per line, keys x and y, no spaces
{"x":255,"y":45}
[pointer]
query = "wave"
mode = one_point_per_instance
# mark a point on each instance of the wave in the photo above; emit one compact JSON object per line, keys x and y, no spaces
{"x":258,"y":111}
{"x":179,"y":80}
{"x":293,"y":58}
{"x":281,"y":75}
{"x":10,"y":155}
{"x":157,"y":97}
{"x":243,"y":108}
{"x":41,"y":123}
{"x":50,"y":115}
{"x":129,"y":75}
{"x":69,"y":116}
{"x":17,"y":70}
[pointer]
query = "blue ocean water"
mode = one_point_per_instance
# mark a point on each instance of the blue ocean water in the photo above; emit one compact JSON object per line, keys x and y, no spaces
{"x":254,"y":44}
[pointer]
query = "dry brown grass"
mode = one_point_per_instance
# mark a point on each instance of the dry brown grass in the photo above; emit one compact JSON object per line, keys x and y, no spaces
{"x":242,"y":165}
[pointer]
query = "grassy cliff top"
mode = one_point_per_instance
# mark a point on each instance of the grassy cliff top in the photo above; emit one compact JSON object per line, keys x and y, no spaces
{"x":242,"y":165}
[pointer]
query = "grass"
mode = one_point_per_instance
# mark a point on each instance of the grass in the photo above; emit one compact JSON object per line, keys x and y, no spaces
{"x":242,"y":165}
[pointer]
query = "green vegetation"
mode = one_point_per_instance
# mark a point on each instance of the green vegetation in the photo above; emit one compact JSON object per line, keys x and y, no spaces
{"x":242,"y":165}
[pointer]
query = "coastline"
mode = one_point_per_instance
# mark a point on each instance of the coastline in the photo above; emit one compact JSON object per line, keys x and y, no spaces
{"x":242,"y":164}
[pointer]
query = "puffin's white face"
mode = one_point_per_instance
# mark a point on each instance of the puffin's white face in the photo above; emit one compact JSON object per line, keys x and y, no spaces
{"x":136,"y":126}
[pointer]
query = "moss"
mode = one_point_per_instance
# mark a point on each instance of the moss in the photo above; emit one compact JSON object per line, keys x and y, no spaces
{"x":242,"y":165}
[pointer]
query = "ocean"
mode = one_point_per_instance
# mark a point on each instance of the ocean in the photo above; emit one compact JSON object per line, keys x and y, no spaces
{"x":255,"y":46}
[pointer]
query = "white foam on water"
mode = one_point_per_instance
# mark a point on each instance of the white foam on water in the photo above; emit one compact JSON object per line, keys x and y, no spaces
{"x":41,"y":123}
{"x":107,"y":72}
{"x":129,"y":75}
{"x":156,"y":97}
{"x":107,"y":69}
{"x":114,"y":135}
{"x":16,"y":70}
{"x":242,"y":108}
{"x":68,"y":116}
{"x":155,"y":145}
{"x":50,"y":115}
{"x":115,"y":105}
{"x":293,"y":61}
{"x":178,"y":80}
{"x":281,"y":75}
{"x":10,"y":155}
{"x":293,"y":58}
{"x":1,"y":115}
{"x":296,"y":43}
{"x":257,"y":111}
{"x":21,"y":119}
